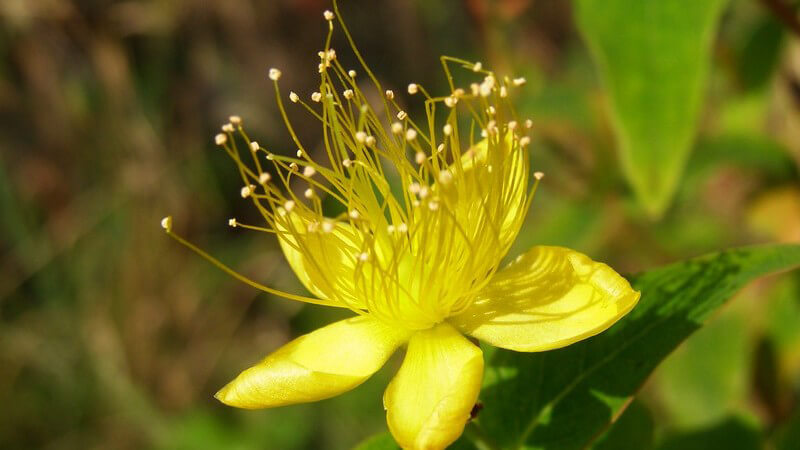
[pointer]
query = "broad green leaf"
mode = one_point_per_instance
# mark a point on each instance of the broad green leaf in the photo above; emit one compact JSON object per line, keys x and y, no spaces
{"x":563,"y":399}
{"x":731,"y":434}
{"x":653,"y":57}
{"x":633,"y":430}
{"x":383,"y":441}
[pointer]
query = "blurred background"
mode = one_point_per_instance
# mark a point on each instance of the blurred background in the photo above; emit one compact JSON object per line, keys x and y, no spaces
{"x":114,"y":336}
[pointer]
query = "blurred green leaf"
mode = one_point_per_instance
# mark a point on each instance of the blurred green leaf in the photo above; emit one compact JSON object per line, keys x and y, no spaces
{"x":383,"y":441}
{"x":731,"y":434}
{"x":653,"y":57}
{"x":633,"y":430}
{"x":564,"y":398}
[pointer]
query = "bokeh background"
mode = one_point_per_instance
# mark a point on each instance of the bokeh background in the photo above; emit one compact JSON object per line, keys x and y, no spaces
{"x":113,"y":336}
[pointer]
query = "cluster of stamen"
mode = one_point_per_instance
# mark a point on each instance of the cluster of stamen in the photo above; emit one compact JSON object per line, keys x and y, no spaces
{"x":419,"y":252}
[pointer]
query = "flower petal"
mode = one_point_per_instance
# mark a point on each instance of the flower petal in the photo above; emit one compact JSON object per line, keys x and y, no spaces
{"x":548,"y":298}
{"x":325,"y":262}
{"x":318,"y":365}
{"x":429,"y":401}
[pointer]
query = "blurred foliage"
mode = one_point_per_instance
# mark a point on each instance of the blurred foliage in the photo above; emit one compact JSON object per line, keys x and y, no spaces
{"x":111,"y":336}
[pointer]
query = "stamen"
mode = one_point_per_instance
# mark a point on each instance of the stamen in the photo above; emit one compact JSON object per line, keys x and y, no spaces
{"x":274,"y":74}
{"x":220,"y":139}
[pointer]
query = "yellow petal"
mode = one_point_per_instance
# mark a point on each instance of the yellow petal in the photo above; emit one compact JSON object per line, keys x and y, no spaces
{"x":429,"y":401}
{"x":324,"y":260}
{"x":548,"y":298}
{"x":319,"y":365}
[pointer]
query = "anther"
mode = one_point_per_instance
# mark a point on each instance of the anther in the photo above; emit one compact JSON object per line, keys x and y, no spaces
{"x":370,"y":141}
{"x":413,"y":88}
{"x":254,"y":146}
{"x":364,"y":256}
{"x":474,"y":88}
{"x":293,"y":97}
{"x":433,"y":205}
{"x":448,"y":129}
{"x":528,"y":123}
{"x":420,"y":157}
{"x":458,"y":93}
{"x":293,"y":167}
{"x":228,"y":128}
{"x":519,"y":81}
{"x":503,"y":92}
{"x":316,"y":96}
{"x":477,"y":67}
{"x":220,"y":139}
{"x":491,"y":111}
{"x":232,"y":222}
{"x":289,"y":205}
{"x":274,"y":74}
{"x":538,"y":175}
{"x":487,"y":86}
{"x":327,"y":226}
{"x":402,"y":228}
{"x":264,"y":178}
{"x":445,"y":177}
{"x":390,"y":229}
{"x":299,"y":153}
{"x":512,"y":125}
{"x":309,"y":171}
{"x":450,"y":101}
{"x":346,"y":162}
{"x":397,"y":128}
{"x":423,"y":191}
{"x":309,"y":193}
{"x":413,"y":188}
{"x":327,"y":15}
{"x":389,"y":94}
{"x":348,"y":94}
{"x":235,"y":120}
{"x":270,"y":157}
{"x":524,"y":141}
{"x":352,"y":73}
{"x":354,"y":214}
{"x":401,"y":115}
{"x":411,"y":134}
{"x":440,"y":148}
{"x":166,"y":223}
{"x":361,"y":136}
{"x":246,"y":191}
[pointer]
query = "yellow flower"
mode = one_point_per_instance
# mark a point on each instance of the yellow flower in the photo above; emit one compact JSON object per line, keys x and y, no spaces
{"x":416,"y":253}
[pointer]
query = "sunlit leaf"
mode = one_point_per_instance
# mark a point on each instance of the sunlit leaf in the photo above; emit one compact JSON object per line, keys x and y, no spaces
{"x":563,"y":399}
{"x":653,"y":57}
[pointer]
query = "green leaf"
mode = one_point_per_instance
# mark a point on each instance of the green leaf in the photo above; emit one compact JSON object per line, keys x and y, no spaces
{"x":653,"y":57}
{"x":563,"y":399}
{"x":731,"y":434}
{"x":633,"y":430}
{"x":383,"y":441}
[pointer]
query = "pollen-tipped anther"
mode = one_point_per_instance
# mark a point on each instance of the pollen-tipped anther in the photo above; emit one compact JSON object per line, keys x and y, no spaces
{"x":274,"y":74}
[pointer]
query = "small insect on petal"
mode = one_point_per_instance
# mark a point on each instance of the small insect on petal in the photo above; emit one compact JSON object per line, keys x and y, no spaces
{"x":274,"y":74}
